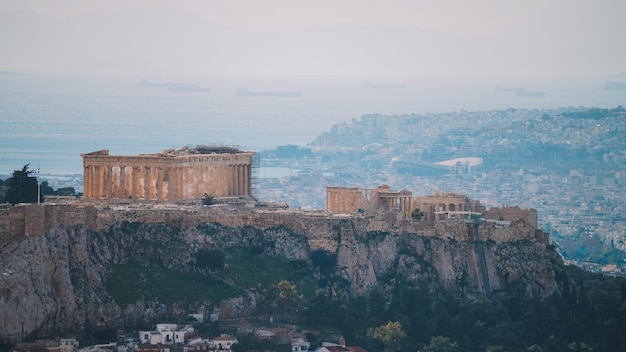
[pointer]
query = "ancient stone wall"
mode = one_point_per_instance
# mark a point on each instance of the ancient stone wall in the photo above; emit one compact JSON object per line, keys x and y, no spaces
{"x":5,"y":223}
{"x":33,"y":220}
{"x":511,"y":213}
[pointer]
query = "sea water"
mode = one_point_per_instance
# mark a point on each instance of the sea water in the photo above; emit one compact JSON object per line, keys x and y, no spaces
{"x":48,"y":121}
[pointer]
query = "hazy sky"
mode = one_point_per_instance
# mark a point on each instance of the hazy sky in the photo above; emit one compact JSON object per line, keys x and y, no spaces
{"x":460,"y":17}
{"x":321,"y":37}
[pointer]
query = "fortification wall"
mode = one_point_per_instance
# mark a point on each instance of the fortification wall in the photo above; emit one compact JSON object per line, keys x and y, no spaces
{"x":33,"y":220}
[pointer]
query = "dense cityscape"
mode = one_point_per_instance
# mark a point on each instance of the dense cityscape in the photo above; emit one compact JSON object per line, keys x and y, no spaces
{"x":567,"y":163}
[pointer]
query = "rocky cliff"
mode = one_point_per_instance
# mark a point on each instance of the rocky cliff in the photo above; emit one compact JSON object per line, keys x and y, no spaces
{"x":55,"y":260}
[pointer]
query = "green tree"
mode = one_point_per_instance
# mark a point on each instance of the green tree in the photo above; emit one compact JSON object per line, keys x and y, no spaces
{"x":21,"y":187}
{"x":325,"y":260}
{"x":288,"y":296}
{"x":210,"y":259}
{"x":208,"y":199}
{"x":417,"y":214}
{"x":46,"y":189}
{"x":2,"y":191}
{"x":390,"y":335}
{"x":65,"y":191}
{"x":440,"y":344}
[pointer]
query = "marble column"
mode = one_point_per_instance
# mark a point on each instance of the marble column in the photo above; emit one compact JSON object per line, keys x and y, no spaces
{"x":184,"y":182}
{"x":224,"y":180}
{"x":233,"y":179}
{"x":177,"y":183}
{"x":108,"y":179}
{"x":244,"y":185}
{"x":121,"y":192}
{"x":97,"y":183}
{"x":195,"y":182}
{"x":147,"y":182}
{"x":177,"y":176}
{"x":159,"y":183}
{"x":115,"y":179}
{"x":87,"y":182}
{"x":169,"y":180}
{"x":135,"y":182}
{"x":240,"y":180}
{"x":249,"y":179}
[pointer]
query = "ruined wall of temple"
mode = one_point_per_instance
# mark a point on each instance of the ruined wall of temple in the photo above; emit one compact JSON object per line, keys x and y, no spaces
{"x":440,"y":201}
{"x":511,"y":213}
{"x":344,"y":199}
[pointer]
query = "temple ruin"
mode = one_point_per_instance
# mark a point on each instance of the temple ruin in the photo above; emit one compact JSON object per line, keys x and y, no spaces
{"x":174,"y":174}
{"x":441,"y":206}
{"x":445,"y":206}
{"x":367,"y":200}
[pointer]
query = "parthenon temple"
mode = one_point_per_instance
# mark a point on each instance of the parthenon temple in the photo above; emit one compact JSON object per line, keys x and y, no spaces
{"x":174,"y":174}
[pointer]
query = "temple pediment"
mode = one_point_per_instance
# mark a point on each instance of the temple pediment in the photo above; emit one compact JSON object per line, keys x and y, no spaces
{"x":104,"y":152}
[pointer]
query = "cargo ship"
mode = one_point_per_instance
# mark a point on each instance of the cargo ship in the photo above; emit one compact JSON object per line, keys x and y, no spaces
{"x":243,"y":92}
{"x":370,"y":84}
{"x":173,"y":87}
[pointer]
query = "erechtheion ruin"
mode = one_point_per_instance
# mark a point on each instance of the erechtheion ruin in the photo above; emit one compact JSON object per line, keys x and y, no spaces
{"x":174,"y":174}
{"x":367,"y":200}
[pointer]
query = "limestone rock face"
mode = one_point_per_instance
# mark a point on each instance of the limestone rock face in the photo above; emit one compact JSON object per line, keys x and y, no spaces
{"x":54,"y":283}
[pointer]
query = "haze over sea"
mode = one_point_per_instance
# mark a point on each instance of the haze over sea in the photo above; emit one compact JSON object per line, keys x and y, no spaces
{"x":48,"y":121}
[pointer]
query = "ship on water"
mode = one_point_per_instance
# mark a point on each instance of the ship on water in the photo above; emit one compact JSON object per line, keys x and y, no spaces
{"x":191,"y":87}
{"x":519,"y":92}
{"x":173,"y":87}
{"x":528,"y":94}
{"x":370,"y":84}
{"x":504,"y":89}
{"x":243,"y":92}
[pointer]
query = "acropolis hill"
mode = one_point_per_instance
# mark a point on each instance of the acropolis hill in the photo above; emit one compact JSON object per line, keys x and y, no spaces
{"x":23,"y":221}
{"x":57,"y":258}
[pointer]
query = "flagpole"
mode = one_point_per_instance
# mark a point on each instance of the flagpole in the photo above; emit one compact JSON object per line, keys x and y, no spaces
{"x":38,"y":184}
{"x":34,"y":174}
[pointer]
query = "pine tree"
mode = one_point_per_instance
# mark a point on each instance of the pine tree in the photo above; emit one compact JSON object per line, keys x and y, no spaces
{"x":21,"y":187}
